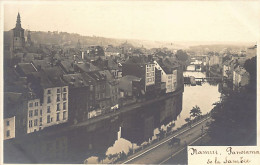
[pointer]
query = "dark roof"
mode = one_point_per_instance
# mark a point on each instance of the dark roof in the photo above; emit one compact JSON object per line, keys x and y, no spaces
{"x":67,"y":66}
{"x":111,"y":64}
{"x":54,"y":74}
{"x":87,"y":67}
{"x":49,"y":78}
{"x":11,"y":100}
{"x":112,"y":49}
{"x":168,"y":65}
{"x":160,"y":53}
{"x":130,"y":78}
{"x":137,"y":51}
{"x":41,"y":79}
{"x":96,"y":76}
{"x":136,"y":60}
{"x":75,"y":80}
{"x":26,"y":68}
{"x":41,"y":64}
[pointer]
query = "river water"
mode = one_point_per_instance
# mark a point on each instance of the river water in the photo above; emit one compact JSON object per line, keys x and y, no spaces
{"x":102,"y":141}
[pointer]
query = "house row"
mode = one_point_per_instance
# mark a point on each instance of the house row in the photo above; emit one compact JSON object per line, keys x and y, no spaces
{"x":58,"y":94}
{"x":234,"y":71}
{"x":147,"y":77}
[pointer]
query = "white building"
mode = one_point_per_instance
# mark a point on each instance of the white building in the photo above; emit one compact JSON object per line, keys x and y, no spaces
{"x":34,"y":115}
{"x":9,"y":128}
{"x":52,"y":111}
{"x":55,"y":106}
{"x":169,"y":78}
{"x":149,"y":74}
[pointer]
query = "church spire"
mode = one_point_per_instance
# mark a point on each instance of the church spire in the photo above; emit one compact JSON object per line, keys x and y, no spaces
{"x":18,"y":21}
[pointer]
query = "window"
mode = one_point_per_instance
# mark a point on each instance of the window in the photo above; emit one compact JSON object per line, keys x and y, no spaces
{"x":58,"y":97}
{"x":58,"y":116}
{"x":36,"y":104}
{"x":64,"y":96}
{"x":91,"y":87}
{"x":49,"y":99}
{"x":36,"y":112}
{"x":64,"y":106}
{"x":58,"y":90}
{"x":58,"y":106}
{"x":49,"y":91}
{"x":48,"y":119}
{"x":64,"y":90}
{"x":30,"y":123}
{"x":7,"y":133}
{"x":35,"y":122}
{"x":30,"y":113}
{"x":40,"y":119}
{"x":48,"y":109}
{"x":41,"y":112}
{"x":30,"y":104}
{"x":7,"y":123}
{"x":64,"y":115}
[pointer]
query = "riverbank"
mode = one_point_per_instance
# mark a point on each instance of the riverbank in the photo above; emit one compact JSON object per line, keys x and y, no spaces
{"x":66,"y":127}
{"x":160,"y":147}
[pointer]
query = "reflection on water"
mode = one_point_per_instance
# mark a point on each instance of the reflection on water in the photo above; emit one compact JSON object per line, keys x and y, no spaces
{"x":104,"y":141}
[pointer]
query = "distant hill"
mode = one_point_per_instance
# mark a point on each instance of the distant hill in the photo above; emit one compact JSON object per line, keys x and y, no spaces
{"x":71,"y":39}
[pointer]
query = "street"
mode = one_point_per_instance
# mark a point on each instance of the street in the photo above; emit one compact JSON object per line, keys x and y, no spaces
{"x":162,"y":152}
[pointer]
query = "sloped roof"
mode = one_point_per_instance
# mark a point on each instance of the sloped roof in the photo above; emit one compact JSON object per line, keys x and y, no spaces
{"x":96,"y":76}
{"x":112,"y":49}
{"x":41,"y":63}
{"x":67,"y":66}
{"x":136,"y":60}
{"x":111,"y":64}
{"x":27,"y":68}
{"x":11,"y":99}
{"x":160,"y":53}
{"x":87,"y":67}
{"x":131,"y":78}
{"x":75,"y":80}
{"x":49,"y":77}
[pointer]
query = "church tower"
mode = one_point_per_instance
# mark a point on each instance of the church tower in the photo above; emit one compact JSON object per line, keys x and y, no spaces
{"x":18,"y":40}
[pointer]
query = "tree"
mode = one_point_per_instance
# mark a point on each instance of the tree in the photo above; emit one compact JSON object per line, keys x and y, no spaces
{"x":234,"y":119}
{"x":188,"y":121}
{"x":195,"y":112}
{"x":181,"y":55}
{"x":250,"y":66}
{"x":102,"y":157}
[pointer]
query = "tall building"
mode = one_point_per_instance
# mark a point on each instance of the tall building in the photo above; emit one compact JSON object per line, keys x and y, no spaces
{"x":18,"y":40}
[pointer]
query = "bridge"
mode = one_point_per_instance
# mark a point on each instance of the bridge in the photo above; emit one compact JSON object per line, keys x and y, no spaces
{"x":209,"y":78}
{"x":202,"y":79}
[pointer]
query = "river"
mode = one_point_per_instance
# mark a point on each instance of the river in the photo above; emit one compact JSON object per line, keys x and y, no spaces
{"x":129,"y":131}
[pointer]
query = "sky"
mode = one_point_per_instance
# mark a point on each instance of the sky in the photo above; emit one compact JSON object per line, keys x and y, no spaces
{"x":145,"y":20}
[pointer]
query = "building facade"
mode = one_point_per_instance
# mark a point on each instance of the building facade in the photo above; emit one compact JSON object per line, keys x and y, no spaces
{"x":9,"y":128}
{"x":169,"y":77}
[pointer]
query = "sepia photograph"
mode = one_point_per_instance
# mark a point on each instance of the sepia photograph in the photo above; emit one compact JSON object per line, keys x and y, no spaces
{"x":129,"y":82}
